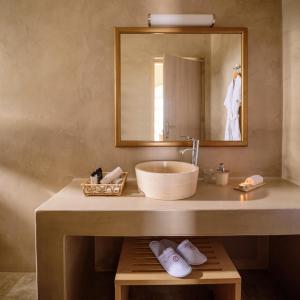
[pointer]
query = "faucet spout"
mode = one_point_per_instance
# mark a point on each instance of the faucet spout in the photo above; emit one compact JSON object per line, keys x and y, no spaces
{"x":185,"y":150}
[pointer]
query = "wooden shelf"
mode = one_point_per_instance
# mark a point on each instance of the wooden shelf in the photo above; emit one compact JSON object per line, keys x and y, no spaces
{"x":138,"y":266}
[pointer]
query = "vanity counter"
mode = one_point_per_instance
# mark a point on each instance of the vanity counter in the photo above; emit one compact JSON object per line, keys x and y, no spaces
{"x":214,"y":211}
{"x":277,"y":194}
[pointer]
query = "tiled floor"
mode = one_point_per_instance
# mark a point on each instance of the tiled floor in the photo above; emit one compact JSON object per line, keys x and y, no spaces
{"x":257,"y":285}
{"x":17,"y":286}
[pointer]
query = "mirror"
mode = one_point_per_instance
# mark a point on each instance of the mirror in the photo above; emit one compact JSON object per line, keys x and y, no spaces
{"x":177,"y":82}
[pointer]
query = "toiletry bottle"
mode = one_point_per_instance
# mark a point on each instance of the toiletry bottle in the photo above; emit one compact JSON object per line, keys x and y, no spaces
{"x":222,"y":175}
{"x":93,"y":178}
{"x":99,"y":175}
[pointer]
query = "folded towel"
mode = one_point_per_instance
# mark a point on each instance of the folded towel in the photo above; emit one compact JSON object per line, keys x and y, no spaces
{"x":254,"y":180}
{"x":111,"y":176}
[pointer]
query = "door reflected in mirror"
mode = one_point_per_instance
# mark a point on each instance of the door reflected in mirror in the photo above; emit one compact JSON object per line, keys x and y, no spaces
{"x":173,"y":85}
{"x":177,"y":97}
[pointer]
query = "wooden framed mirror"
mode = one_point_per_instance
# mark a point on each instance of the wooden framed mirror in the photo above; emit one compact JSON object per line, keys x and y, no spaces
{"x":175,"y":82}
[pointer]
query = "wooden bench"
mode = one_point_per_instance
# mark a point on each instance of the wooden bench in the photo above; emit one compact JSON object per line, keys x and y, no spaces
{"x":138,"y":266}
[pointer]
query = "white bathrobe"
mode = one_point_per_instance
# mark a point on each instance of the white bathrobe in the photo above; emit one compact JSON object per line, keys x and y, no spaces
{"x":232,"y":103}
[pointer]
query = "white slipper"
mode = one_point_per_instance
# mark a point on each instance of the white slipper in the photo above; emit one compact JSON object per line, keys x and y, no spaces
{"x":188,"y":251}
{"x":167,"y":243}
{"x":171,"y":261}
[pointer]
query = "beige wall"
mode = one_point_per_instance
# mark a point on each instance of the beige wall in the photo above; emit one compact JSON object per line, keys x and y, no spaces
{"x":225,"y":54}
{"x":289,"y":246}
{"x":291,"y":90}
{"x":57,"y":102}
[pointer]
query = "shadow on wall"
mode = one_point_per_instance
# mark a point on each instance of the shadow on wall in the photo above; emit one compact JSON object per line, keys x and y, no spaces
{"x":32,"y":169}
{"x":38,"y":157}
{"x":19,"y":195}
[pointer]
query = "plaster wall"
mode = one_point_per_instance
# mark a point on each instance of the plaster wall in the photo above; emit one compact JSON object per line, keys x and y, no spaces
{"x":57,"y":100}
{"x":291,"y":90}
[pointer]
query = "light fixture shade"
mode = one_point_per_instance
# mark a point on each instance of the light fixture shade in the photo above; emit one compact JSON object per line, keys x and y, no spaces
{"x":161,"y":20}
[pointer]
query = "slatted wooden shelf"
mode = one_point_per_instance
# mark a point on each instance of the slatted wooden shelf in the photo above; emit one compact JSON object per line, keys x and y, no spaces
{"x":138,"y":266}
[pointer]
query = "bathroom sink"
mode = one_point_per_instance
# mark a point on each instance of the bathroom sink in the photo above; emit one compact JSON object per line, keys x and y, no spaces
{"x":167,"y":180}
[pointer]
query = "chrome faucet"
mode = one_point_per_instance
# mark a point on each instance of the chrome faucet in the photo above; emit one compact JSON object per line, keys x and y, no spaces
{"x":194,"y":149}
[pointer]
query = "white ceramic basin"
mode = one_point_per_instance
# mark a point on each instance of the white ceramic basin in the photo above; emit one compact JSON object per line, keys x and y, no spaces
{"x":167,"y":180}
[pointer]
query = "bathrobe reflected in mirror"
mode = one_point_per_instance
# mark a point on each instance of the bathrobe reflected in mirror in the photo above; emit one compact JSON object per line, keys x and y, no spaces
{"x":232,"y":103}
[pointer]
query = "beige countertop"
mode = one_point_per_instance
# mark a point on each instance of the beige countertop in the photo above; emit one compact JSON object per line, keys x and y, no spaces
{"x":278,"y":194}
{"x":68,"y":221}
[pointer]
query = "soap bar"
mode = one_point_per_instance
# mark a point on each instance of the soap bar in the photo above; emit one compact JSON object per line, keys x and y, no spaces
{"x":254,"y":180}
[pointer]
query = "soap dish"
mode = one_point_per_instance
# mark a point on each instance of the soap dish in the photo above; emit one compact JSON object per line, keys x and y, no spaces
{"x":249,"y":188}
{"x":101,"y":189}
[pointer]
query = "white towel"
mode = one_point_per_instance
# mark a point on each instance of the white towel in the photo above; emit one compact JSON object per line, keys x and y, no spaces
{"x":111,"y":176}
{"x":232,"y":103}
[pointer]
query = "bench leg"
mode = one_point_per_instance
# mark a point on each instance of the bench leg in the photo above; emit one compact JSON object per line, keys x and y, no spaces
{"x":121,"y":292}
{"x":227,"y":291}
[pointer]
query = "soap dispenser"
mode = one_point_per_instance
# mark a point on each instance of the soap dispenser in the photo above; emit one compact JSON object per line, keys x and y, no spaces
{"x":222,"y":175}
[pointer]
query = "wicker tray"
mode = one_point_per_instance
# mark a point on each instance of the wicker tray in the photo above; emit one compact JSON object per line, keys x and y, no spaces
{"x":110,"y":189}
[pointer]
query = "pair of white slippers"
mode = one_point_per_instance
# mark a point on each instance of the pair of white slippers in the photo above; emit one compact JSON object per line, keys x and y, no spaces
{"x":177,"y":259}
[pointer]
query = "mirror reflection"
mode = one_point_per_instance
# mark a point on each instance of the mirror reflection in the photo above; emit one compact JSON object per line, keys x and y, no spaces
{"x":175,"y":85}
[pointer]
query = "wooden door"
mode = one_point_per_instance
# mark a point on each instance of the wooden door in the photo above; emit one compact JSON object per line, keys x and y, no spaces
{"x":182,"y":97}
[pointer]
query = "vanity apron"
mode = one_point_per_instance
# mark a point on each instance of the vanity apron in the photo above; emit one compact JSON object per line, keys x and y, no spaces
{"x":232,"y":103}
